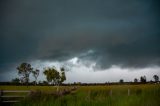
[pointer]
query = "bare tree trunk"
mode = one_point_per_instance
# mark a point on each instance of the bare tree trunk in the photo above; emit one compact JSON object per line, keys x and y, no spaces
{"x":26,"y":80}
{"x":35,"y":81}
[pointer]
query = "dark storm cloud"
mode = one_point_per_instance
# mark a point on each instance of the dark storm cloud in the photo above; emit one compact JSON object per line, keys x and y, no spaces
{"x":119,"y":32}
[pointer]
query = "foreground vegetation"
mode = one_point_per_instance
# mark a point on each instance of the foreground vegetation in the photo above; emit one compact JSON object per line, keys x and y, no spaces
{"x":114,"y":95}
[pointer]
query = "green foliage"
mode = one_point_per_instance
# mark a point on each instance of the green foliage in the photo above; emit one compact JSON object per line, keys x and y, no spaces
{"x":143,"y":79}
{"x":156,"y":78}
{"x":53,"y":76}
{"x":135,"y":80}
{"x":121,"y":80}
{"x":24,"y":71}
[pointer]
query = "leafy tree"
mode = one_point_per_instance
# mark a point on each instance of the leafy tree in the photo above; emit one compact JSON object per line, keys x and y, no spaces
{"x":24,"y":71}
{"x":121,"y":80}
{"x":53,"y":76}
{"x":156,"y":78}
{"x":35,"y":75}
{"x":143,"y":79}
{"x":135,"y":80}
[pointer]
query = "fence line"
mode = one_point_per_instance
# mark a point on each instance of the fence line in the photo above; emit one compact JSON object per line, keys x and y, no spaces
{"x":16,"y":95}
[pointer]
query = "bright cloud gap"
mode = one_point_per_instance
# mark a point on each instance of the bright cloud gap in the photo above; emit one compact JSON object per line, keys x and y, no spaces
{"x":77,"y":71}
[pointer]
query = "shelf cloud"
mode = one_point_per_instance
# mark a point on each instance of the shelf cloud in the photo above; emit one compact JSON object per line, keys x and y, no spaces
{"x":107,"y":32}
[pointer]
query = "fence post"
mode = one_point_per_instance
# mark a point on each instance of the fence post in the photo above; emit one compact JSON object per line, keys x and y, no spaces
{"x":111,"y":92}
{"x":1,"y":94}
{"x":29,"y":93}
{"x":128,"y":92}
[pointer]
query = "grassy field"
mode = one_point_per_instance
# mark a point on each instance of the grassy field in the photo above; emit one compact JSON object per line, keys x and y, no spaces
{"x":115,"y":95}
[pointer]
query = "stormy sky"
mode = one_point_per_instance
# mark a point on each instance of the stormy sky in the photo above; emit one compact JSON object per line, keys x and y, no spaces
{"x":100,"y":38}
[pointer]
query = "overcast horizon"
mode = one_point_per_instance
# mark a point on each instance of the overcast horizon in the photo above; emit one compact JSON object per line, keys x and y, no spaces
{"x":95,"y":40}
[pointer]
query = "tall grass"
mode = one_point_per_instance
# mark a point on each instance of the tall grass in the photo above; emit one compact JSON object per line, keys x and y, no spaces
{"x":140,"y":95}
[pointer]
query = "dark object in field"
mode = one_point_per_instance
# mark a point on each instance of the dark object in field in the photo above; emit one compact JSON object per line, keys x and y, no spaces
{"x":35,"y":93}
{"x":64,"y":91}
{"x":73,"y":88}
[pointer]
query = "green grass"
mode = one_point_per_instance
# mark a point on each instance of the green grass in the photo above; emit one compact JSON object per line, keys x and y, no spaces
{"x":140,"y":95}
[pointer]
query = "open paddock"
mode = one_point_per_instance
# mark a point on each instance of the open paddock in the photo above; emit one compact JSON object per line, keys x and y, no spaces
{"x":113,"y":95}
